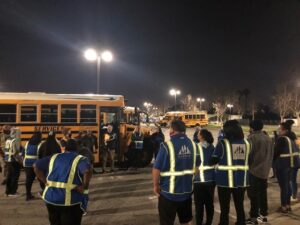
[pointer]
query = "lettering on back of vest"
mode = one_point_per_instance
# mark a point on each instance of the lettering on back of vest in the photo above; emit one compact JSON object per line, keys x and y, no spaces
{"x":184,"y":152}
{"x":238,"y":152}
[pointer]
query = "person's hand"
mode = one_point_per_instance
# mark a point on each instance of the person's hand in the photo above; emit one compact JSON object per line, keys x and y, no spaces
{"x":79,"y":189}
{"x":156,"y":190}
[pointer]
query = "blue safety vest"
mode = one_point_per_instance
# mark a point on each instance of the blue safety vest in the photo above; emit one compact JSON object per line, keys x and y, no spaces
{"x":178,"y":178}
{"x":206,"y":172}
{"x":232,"y":170}
{"x":289,"y":158}
{"x":62,"y":178}
{"x":30,"y":155}
{"x":9,"y":151}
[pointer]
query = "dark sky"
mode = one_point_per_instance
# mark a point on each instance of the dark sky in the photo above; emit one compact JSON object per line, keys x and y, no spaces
{"x":202,"y":47}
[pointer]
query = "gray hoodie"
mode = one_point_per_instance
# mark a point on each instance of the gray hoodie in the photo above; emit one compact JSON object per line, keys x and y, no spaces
{"x":261,"y":155}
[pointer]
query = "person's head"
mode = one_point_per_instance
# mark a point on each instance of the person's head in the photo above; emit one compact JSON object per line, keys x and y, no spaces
{"x":51,"y":135}
{"x":71,"y":146}
{"x":233,"y":130}
{"x":205,"y":135}
{"x":36,"y":138}
{"x":177,"y":127}
{"x":197,"y":129}
{"x":13,"y":132}
{"x":6,"y":129}
{"x":137,"y":129}
{"x":256,"y":125}
{"x":286,"y":127}
{"x":109,"y":128}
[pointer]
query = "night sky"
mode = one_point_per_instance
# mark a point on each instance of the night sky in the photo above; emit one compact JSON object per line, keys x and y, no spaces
{"x":201,"y":47}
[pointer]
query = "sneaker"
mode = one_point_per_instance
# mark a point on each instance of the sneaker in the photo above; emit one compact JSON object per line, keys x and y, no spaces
{"x":40,"y":194}
{"x":262,"y":219}
{"x":294,"y":199}
{"x":282,"y":210}
{"x":251,"y":221}
{"x":28,"y":198}
{"x":15,"y":195}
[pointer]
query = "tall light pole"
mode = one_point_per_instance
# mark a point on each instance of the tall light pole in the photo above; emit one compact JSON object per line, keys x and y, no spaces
{"x":200,"y":100}
{"x":230,"y":106}
{"x":175,"y":92}
{"x":92,"y":55}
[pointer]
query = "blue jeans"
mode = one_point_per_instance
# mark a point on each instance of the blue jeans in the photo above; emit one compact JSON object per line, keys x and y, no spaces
{"x":284,"y":177}
{"x":293,"y":182}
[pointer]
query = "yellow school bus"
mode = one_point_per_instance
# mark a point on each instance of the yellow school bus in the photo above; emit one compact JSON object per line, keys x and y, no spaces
{"x":190,"y":119}
{"x":75,"y":112}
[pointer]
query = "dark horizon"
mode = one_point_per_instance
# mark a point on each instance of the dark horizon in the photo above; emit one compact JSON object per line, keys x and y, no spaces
{"x":199,"y":47}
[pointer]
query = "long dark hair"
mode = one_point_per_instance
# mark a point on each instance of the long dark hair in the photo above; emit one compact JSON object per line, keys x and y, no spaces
{"x":233,"y":130}
{"x":287,"y":125}
{"x":207,"y":136}
{"x":36,"y":138}
{"x":51,"y":144}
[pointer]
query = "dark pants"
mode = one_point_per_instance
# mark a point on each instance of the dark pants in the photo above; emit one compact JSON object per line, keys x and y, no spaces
{"x":30,"y":176}
{"x":284,"y":177}
{"x":238,"y":198}
{"x":204,"y":196}
{"x":64,"y":215}
{"x":294,"y":185}
{"x":169,"y":209}
{"x":257,"y":192}
{"x":13,"y":174}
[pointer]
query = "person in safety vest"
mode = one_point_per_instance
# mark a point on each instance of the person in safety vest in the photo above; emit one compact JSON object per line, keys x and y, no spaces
{"x":260,"y":163}
{"x":3,"y":137}
{"x":173,"y":175}
{"x":30,"y":156}
{"x":204,"y":183}
{"x":231,"y":155}
{"x":286,"y":157}
{"x":11,"y":158}
{"x":66,"y":177}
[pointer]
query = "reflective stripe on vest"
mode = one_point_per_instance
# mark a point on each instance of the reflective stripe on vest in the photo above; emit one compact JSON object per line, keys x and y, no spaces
{"x":9,"y":149}
{"x":29,"y":156}
{"x":291,"y":154}
{"x":231,"y":168}
{"x":68,"y":186}
{"x":172,"y":173}
{"x":203,"y":168}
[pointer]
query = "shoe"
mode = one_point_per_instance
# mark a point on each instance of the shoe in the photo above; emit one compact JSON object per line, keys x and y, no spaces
{"x":40,"y":194}
{"x":30,"y":197}
{"x":251,"y":221}
{"x":15,"y":195}
{"x":282,"y":210}
{"x":262,"y":219}
{"x":294,"y":199}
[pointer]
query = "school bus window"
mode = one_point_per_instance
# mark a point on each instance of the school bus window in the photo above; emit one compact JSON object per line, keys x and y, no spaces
{"x":69,"y":113}
{"x":8,"y":113}
{"x":88,"y":114}
{"x":194,"y":117}
{"x":203,"y":117}
{"x":190,"y":117}
{"x":198,"y":117}
{"x":28,"y":113}
{"x":186,"y":117}
{"x":49,"y":114}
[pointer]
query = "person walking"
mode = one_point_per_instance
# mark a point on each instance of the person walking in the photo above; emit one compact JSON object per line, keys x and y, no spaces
{"x":260,"y":163}
{"x":110,"y":143}
{"x":12,"y":160}
{"x":30,"y":155}
{"x":204,"y":183}
{"x":196,"y":134}
{"x":231,"y":155}
{"x":66,"y":177}
{"x":172,"y":174}
{"x":286,"y":157}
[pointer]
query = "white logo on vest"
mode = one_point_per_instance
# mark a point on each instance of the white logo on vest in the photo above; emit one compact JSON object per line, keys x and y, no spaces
{"x":184,"y":152}
{"x":239,"y":151}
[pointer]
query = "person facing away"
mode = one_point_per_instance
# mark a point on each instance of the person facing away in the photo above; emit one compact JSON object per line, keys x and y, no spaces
{"x":231,"y":155}
{"x":260,"y":163}
{"x":204,"y":183}
{"x":110,"y":144}
{"x":49,"y":147}
{"x":11,"y":158}
{"x":137,"y":138}
{"x":3,"y":137}
{"x":30,"y":156}
{"x":157,"y":138}
{"x":286,"y":157}
{"x":173,"y":173}
{"x":90,"y":141}
{"x":66,"y":177}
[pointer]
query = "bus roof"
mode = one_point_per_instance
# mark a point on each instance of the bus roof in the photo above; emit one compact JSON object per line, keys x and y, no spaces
{"x":45,"y":96}
{"x":184,"y":112}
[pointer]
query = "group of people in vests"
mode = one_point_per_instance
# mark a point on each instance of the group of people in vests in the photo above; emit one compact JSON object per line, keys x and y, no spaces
{"x":237,"y":165}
